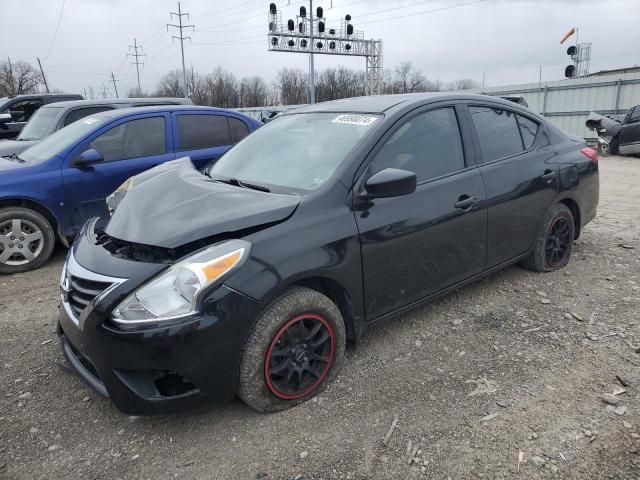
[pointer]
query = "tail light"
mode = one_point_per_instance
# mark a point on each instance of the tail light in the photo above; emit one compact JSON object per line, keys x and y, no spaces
{"x":591,"y":153}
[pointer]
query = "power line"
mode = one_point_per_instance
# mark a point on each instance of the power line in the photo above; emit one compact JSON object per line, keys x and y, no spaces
{"x":423,"y":12}
{"x":137,"y":62}
{"x":182,"y":38}
{"x":55,"y":35}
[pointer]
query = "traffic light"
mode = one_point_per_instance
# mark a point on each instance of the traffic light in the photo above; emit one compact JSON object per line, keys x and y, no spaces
{"x":570,"y":70}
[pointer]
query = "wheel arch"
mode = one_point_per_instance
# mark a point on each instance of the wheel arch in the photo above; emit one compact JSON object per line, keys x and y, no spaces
{"x":339,"y":295}
{"x":38,"y":208}
{"x":575,"y":211}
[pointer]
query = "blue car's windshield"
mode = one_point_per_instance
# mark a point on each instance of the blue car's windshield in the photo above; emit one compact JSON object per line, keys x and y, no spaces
{"x":62,"y":139}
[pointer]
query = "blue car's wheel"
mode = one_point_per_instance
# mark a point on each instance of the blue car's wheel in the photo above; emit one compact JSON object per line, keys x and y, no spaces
{"x":26,"y":240}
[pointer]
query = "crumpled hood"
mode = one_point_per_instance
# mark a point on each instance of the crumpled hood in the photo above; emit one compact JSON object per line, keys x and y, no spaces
{"x":173,"y":204}
{"x":6,"y":164}
{"x":596,"y":122}
{"x":7,"y":147}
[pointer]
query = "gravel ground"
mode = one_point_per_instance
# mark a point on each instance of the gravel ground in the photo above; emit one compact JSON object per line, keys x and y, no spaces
{"x":518,"y":362}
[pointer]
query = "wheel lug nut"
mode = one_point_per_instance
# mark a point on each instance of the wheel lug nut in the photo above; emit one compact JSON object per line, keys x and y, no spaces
{"x":19,"y":245}
{"x":11,"y":245}
{"x":12,"y":237}
{"x":22,"y":239}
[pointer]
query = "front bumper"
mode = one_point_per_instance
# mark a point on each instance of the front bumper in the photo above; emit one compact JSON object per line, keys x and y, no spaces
{"x":157,"y":369}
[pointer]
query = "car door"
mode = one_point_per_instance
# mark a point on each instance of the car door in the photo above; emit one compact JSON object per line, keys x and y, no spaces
{"x":129,"y":146}
{"x":416,"y":245}
{"x":521,"y":177}
{"x":21,"y":111}
{"x":630,"y":132}
{"x":205,"y":137}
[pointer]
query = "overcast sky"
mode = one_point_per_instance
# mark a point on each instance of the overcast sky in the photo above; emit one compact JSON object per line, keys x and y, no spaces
{"x":507,"y":39}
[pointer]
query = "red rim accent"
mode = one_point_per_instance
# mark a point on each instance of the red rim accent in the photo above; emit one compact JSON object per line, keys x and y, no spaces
{"x":276,"y":338}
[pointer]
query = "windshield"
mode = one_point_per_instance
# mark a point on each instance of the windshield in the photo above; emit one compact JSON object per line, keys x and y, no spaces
{"x":62,"y":139}
{"x":39,"y":124}
{"x":298,"y":152}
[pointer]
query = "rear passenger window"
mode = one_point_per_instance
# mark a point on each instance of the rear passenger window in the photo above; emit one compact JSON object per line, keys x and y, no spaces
{"x":202,"y":131}
{"x":497,"y":131}
{"x":239,"y":130}
{"x":528,"y":130}
{"x":75,"y":115}
{"x":428,"y":144}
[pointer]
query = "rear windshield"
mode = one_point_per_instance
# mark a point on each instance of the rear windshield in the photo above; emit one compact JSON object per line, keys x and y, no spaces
{"x":40,"y":124}
{"x":62,"y":139}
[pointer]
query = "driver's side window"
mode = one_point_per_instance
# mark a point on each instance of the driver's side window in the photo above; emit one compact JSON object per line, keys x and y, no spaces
{"x":133,"y":139}
{"x":428,"y":144}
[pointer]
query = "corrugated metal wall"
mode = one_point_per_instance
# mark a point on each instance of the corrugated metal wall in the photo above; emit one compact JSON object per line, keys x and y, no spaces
{"x":567,"y":103}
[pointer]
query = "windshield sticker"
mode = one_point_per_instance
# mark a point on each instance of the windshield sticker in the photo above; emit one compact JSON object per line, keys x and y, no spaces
{"x":352,"y":119}
{"x":90,"y":121}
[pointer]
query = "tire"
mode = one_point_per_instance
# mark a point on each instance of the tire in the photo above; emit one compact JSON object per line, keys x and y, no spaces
{"x":552,"y":248}
{"x":28,"y":224}
{"x":614,"y":147}
{"x":262,"y":386}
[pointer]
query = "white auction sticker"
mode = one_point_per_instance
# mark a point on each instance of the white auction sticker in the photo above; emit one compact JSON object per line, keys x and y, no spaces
{"x":353,"y":119}
{"x":90,"y":121}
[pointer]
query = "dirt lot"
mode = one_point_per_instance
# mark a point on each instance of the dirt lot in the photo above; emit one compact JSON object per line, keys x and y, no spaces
{"x":515,"y":363}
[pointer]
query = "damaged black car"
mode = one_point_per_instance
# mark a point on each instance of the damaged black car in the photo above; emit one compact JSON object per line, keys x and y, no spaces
{"x":249,"y":279}
{"x":617,"y":134}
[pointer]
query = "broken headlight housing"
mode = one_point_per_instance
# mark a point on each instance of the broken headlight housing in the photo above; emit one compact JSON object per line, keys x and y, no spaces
{"x":174,"y":293}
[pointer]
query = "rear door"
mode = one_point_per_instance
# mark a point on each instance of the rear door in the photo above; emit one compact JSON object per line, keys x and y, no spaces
{"x":418,"y":244}
{"x":129,"y":146}
{"x":205,"y":137}
{"x":630,"y":132}
{"x":520,"y":173}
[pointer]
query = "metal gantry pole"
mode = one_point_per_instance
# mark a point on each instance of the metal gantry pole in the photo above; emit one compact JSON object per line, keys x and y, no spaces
{"x":182,"y":38}
{"x":312,"y":85}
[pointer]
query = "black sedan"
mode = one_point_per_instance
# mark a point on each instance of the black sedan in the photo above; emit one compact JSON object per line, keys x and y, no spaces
{"x":251,"y":278}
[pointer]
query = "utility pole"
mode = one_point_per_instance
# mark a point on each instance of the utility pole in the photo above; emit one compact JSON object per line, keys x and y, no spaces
{"x":43,"y":77}
{"x":85,"y":93}
{"x":312,"y":75}
{"x":11,"y":91}
{"x":115,"y":89}
{"x":182,"y":38}
{"x":104,"y":91}
{"x":137,"y":62}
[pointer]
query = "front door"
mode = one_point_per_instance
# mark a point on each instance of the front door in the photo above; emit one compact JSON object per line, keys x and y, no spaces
{"x":21,"y":111}
{"x":521,"y":176}
{"x":129,"y":147}
{"x":416,"y":245}
{"x":630,"y":133}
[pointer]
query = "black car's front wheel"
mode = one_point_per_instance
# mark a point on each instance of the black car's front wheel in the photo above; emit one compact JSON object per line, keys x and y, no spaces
{"x":552,"y":248}
{"x":293,"y":352}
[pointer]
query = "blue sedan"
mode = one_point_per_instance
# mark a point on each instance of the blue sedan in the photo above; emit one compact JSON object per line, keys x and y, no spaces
{"x":49,"y":190}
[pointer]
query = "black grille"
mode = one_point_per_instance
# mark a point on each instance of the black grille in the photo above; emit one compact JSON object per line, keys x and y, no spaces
{"x":82,"y":291}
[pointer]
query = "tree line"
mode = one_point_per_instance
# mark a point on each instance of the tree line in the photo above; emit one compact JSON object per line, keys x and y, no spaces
{"x":222,"y":88}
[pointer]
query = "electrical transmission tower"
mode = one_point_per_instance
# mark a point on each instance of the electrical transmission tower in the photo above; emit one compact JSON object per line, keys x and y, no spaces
{"x":182,"y":38}
{"x":310,"y":35}
{"x":137,"y":62}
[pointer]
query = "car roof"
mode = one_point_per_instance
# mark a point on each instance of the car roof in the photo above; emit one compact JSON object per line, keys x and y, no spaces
{"x":41,"y":95}
{"x":391,"y":103}
{"x":167,"y":108}
{"x":116,"y":101}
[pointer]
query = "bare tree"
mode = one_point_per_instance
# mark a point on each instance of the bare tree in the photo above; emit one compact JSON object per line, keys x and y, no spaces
{"x":253,"y":92}
{"x":463,"y":84}
{"x":169,"y":85}
{"x":293,"y":84}
{"x":198,"y":88}
{"x":341,"y":82}
{"x":18,"y":79}
{"x":222,"y":88}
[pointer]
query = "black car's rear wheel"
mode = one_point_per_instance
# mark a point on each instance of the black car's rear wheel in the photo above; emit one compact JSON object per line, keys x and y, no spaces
{"x":293,"y":352}
{"x":552,"y":248}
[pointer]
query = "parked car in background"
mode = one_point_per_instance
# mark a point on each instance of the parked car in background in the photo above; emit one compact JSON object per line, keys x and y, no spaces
{"x":617,"y":134}
{"x":49,"y":190}
{"x":250,"y":280}
{"x":52,"y":117}
{"x":16,"y":111}
{"x":519,"y":99}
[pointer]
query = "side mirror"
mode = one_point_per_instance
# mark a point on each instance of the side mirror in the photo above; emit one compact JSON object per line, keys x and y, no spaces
{"x":390,"y":182}
{"x":87,"y":158}
{"x":4,"y":119}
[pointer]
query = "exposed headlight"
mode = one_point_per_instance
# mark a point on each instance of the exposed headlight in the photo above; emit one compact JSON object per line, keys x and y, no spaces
{"x":174,"y":293}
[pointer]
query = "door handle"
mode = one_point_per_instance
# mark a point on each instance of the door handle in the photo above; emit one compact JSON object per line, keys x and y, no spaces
{"x":549,"y":175}
{"x":465,"y":202}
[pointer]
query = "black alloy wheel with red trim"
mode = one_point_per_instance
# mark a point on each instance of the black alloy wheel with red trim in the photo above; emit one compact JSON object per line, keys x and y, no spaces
{"x":552,"y":249}
{"x":293,"y":352}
